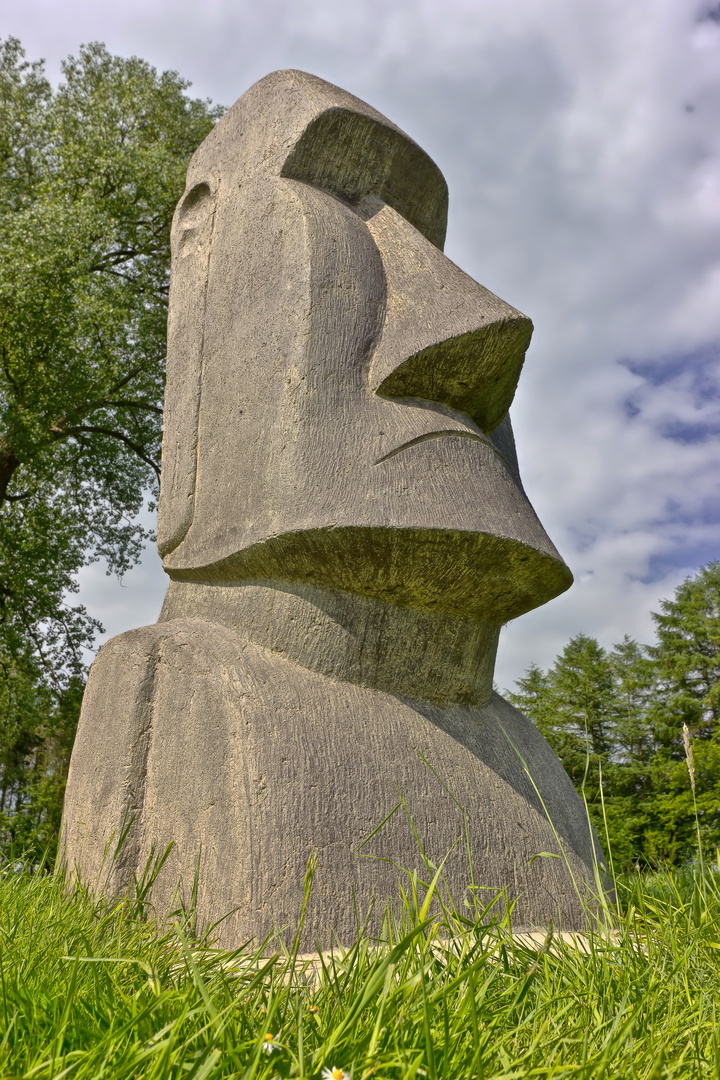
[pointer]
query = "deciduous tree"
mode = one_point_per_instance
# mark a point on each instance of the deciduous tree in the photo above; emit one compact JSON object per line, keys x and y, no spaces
{"x":90,"y":174}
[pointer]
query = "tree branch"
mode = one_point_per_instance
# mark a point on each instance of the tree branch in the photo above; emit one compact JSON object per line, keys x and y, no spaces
{"x":99,"y":402}
{"x":8,"y":464}
{"x":127,"y":403}
{"x":94,"y":429}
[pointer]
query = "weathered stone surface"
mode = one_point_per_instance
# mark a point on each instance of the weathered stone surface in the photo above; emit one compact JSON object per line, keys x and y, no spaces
{"x":344,"y":525}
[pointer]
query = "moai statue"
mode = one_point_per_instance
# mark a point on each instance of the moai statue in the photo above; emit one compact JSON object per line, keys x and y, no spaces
{"x":345,"y":531}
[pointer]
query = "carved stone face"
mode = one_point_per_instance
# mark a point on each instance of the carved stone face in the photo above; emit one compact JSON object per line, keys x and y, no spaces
{"x":338,"y":390}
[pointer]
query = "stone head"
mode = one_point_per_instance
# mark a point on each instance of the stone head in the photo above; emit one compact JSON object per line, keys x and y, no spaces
{"x":337,"y":389}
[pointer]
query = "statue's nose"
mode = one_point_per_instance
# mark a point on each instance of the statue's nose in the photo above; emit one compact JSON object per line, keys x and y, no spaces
{"x":445,"y":338}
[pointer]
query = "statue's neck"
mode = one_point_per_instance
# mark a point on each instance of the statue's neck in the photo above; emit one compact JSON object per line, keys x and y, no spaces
{"x":401,"y":650}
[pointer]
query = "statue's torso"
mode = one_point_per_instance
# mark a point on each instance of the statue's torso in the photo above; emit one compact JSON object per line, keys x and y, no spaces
{"x":235,"y":754}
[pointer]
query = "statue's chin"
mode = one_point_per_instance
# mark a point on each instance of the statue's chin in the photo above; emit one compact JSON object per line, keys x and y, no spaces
{"x":468,"y":574}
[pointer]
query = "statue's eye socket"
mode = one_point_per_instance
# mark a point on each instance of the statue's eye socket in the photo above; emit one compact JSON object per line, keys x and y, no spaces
{"x":193,"y":216}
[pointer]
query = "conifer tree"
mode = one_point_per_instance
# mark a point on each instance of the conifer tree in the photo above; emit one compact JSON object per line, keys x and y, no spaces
{"x":688,"y":654}
{"x":633,"y":702}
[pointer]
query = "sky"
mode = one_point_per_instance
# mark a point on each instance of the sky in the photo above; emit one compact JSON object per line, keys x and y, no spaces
{"x":581,"y":145}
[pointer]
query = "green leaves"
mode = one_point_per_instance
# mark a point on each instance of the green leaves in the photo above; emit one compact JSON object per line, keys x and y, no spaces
{"x":89,"y":177}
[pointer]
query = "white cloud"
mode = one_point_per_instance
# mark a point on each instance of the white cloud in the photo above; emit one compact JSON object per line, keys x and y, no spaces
{"x":581,"y":146}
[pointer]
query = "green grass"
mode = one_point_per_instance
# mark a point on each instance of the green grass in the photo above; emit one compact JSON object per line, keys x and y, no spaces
{"x":89,"y":989}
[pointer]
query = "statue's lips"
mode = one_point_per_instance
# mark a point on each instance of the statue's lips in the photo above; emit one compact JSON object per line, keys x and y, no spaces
{"x":439,"y":435}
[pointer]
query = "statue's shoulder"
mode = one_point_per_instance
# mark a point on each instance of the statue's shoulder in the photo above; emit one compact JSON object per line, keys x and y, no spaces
{"x":147,"y":645}
{"x":191,"y":630}
{"x":182,"y":648}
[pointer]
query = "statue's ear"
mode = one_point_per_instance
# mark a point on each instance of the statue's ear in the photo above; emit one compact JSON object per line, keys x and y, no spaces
{"x":192,"y":218}
{"x":351,"y":155}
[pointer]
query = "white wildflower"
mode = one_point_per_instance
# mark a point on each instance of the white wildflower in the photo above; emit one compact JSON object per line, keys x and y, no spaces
{"x":269,"y":1043}
{"x":689,"y":755}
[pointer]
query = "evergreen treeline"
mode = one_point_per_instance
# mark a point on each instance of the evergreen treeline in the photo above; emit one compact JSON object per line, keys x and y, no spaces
{"x":615,"y":720}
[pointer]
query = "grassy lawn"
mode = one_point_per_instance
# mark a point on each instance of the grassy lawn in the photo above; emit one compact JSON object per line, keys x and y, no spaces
{"x":92,"y":990}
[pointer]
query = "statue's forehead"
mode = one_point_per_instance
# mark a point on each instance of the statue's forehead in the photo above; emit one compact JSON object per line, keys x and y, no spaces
{"x":294,"y":125}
